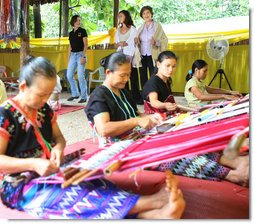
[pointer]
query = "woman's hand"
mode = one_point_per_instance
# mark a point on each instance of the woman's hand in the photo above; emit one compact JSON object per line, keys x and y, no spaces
{"x":136,"y":40}
{"x":45,"y":167}
{"x":153,"y":41}
{"x":57,"y":156}
{"x":82,"y":60}
{"x":122,"y":44}
{"x":230,"y":97}
{"x":170,"y":106}
{"x":156,"y":118}
{"x":236,"y":93}
{"x":149,"y":121}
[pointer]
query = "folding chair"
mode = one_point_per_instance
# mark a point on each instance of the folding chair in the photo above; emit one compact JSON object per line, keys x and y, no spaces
{"x":92,"y":77}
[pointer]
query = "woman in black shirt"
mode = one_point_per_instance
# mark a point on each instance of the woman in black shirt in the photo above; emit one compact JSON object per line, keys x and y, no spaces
{"x":111,"y":108}
{"x":157,"y":90}
{"x":77,"y":59}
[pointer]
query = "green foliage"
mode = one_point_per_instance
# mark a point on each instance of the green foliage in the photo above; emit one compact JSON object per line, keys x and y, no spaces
{"x":49,"y":20}
{"x":97,"y":15}
{"x":171,"y":11}
{"x":31,"y":23}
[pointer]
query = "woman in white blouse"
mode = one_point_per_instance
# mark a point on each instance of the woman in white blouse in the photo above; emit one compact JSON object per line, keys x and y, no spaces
{"x":124,"y":37}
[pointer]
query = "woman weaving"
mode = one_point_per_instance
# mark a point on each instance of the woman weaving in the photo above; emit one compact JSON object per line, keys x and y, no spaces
{"x":215,"y":166}
{"x":157,"y":92}
{"x":198,"y":94}
{"x":109,"y":114}
{"x":28,"y":127}
{"x":111,"y":108}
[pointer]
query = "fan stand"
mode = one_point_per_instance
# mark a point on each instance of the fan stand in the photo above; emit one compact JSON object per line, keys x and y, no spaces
{"x":221,"y":72}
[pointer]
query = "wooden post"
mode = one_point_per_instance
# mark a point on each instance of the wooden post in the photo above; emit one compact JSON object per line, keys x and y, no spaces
{"x":25,"y":39}
{"x":60,"y":18}
{"x":116,"y":9}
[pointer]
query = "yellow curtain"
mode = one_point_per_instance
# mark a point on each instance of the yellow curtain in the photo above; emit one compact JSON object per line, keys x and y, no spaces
{"x":176,"y":41}
{"x":236,"y":65}
{"x":188,"y":48}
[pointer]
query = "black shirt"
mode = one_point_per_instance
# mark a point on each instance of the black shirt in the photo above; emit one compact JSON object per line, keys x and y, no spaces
{"x":76,"y":39}
{"x":156,"y":84}
{"x":101,"y":100}
{"x":21,"y":133}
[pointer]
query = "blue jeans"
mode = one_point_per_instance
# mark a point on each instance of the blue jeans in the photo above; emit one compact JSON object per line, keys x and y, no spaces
{"x":74,"y":63}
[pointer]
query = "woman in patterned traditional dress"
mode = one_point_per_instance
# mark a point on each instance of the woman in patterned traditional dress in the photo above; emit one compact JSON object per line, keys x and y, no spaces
{"x":28,"y":128}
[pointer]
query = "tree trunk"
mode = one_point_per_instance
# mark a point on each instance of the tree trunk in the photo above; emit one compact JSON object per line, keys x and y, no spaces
{"x":37,"y":21}
{"x":116,"y":9}
{"x":60,"y":17}
{"x":65,"y":14}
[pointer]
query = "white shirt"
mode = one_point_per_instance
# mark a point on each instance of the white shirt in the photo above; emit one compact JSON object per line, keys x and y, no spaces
{"x":130,"y":48}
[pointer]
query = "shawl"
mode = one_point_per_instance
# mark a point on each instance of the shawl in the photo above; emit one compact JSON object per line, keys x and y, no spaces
{"x":160,"y":36}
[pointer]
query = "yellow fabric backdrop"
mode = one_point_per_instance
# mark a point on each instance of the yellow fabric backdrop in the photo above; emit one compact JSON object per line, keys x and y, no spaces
{"x":188,"y":48}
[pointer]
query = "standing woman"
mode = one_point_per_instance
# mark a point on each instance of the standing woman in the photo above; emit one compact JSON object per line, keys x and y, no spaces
{"x":77,"y":59}
{"x":151,"y":40}
{"x":125,"y":34}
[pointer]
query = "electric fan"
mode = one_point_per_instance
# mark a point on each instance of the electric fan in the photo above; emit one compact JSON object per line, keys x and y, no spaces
{"x":217,"y":49}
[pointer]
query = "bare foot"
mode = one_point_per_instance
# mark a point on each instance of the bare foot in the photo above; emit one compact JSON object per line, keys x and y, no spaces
{"x":233,"y":148}
{"x":174,"y":203}
{"x":240,"y":175}
{"x":160,"y":198}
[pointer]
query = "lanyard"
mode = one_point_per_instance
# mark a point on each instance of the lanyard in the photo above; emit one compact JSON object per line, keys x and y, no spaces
{"x":125,"y":104}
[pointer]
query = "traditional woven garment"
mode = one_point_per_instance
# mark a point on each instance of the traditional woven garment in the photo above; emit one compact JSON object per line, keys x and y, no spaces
{"x":203,"y":167}
{"x":97,"y":199}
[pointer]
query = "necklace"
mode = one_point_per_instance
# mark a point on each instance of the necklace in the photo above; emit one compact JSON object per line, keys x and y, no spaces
{"x":126,"y":103}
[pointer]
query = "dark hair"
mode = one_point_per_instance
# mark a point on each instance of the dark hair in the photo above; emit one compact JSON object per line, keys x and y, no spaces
{"x":166,"y":55}
{"x":113,"y":60}
{"x":34,"y":67}
{"x":74,"y":19}
{"x":128,"y":20}
{"x":147,"y":7}
{"x":199,"y":64}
